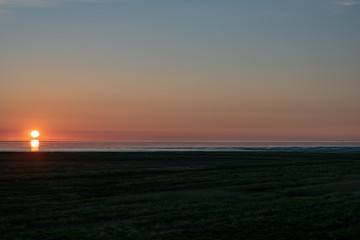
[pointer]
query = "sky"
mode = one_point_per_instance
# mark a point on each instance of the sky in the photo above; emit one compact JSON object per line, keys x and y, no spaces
{"x":180,"y":70}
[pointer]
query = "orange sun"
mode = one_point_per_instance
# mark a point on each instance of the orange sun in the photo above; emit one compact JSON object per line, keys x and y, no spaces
{"x":35,"y":134}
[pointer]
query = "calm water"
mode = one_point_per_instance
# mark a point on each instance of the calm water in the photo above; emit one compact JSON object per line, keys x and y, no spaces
{"x":58,"y":146}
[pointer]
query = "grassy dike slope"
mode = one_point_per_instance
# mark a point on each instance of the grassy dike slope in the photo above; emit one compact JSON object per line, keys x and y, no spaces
{"x":179,"y":195}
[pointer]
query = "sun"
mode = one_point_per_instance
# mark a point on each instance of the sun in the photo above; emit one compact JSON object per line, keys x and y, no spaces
{"x":35,"y":134}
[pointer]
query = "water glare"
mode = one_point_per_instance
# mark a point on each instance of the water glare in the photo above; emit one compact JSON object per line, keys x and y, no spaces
{"x":35,"y":144}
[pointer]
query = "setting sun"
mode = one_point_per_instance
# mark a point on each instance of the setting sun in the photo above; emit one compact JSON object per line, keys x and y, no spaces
{"x":35,"y":134}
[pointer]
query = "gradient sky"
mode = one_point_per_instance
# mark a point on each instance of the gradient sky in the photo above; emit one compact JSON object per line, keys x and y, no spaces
{"x":180,"y":69}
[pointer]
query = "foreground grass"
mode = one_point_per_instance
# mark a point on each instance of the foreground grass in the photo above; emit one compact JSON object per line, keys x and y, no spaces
{"x":179,"y":196}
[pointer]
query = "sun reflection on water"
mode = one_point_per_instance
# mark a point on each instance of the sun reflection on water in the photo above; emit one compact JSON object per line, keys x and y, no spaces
{"x":35,"y":144}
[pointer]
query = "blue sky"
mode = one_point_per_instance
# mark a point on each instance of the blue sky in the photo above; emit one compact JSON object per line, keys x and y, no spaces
{"x":231,"y":68}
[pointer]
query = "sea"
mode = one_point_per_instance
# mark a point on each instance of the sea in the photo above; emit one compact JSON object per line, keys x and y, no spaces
{"x":106,"y":146}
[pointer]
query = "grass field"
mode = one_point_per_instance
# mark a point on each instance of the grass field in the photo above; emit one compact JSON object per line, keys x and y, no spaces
{"x":179,"y":196}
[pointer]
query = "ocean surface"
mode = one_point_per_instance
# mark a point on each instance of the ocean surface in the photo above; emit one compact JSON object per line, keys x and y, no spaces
{"x":70,"y":146}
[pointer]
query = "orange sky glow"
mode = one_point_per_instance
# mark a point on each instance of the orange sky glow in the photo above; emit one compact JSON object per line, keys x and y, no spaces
{"x":212,"y":71}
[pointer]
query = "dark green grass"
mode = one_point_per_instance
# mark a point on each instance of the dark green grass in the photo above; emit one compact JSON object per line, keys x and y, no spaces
{"x":179,"y":196}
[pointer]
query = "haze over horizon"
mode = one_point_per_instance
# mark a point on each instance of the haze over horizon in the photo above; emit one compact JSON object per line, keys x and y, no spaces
{"x":180,"y":70}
